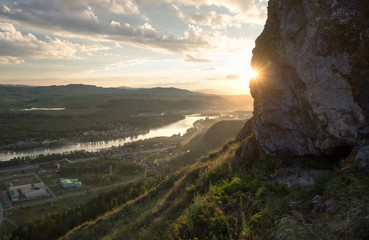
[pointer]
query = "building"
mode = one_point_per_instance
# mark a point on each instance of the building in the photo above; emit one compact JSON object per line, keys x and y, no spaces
{"x":50,"y":170}
{"x":14,"y":195}
{"x":36,"y":193}
{"x":22,"y":188}
{"x":28,"y":191}
{"x":70,"y":183}
{"x":39,"y":185}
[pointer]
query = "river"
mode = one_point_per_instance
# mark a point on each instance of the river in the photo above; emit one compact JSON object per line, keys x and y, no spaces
{"x":179,"y":127}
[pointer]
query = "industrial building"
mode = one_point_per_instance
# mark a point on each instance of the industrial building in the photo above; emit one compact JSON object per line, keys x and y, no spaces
{"x":70,"y":183}
{"x":14,"y":195}
{"x":28,"y":191}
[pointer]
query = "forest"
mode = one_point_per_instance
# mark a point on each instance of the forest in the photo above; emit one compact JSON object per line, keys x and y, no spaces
{"x":55,"y":225}
{"x":92,"y":113}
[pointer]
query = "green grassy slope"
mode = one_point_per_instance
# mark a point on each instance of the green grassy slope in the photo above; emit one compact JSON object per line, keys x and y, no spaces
{"x":221,"y":198}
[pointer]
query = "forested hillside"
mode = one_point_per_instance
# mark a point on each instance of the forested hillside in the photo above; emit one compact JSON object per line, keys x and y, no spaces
{"x":31,"y":115}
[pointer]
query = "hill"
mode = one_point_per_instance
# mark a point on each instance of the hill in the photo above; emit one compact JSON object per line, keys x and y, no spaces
{"x":90,"y":113}
{"x":219,"y":197}
{"x":299,"y":168}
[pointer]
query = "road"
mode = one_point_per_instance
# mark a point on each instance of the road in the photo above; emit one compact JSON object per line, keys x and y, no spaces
{"x":187,"y":140}
{"x":47,"y":188}
{"x":16,"y":168}
{"x":37,"y":166}
{"x":1,"y":214}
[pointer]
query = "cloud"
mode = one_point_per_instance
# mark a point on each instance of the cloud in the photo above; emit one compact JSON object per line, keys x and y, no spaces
{"x":212,"y":19}
{"x":124,"y":7}
{"x":250,"y":11}
{"x":14,"y":46}
{"x":231,"y":77}
{"x":78,"y":20}
{"x":10,"y":60}
{"x":209,"y":69}
{"x":191,"y":58}
{"x":94,"y":20}
{"x":5,"y":8}
{"x":176,"y":11}
{"x":128,"y":7}
{"x":114,"y":23}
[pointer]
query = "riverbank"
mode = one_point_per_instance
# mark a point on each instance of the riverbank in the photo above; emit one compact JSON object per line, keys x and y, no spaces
{"x":180,"y":127}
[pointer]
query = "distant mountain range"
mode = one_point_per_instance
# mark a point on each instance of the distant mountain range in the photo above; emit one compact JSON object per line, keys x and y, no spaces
{"x":14,"y":96}
{"x":78,"y":89}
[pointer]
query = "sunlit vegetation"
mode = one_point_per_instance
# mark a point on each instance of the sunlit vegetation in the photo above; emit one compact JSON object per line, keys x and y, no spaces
{"x":97,"y":171}
{"x":56,"y":224}
{"x":214,"y":137}
{"x":220,"y":198}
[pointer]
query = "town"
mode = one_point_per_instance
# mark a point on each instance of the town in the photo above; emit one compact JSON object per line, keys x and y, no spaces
{"x":56,"y":185}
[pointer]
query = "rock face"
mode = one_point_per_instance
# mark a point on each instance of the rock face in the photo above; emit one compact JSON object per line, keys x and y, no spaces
{"x":312,"y":93}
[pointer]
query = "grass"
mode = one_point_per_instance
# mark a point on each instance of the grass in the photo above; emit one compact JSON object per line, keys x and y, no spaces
{"x":148,"y":218}
{"x":345,"y":216}
{"x":6,"y":227}
{"x":220,"y":198}
{"x":64,"y":203}
{"x":23,"y":215}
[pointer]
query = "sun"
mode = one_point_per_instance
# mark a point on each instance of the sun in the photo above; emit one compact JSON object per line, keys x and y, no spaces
{"x":246,"y":74}
{"x":240,"y":66}
{"x":253,"y":74}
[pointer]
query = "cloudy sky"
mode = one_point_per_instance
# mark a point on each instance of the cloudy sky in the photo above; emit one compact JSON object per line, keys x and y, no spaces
{"x":191,"y":44}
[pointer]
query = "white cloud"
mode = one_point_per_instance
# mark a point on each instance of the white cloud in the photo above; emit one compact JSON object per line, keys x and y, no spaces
{"x":10,"y":60}
{"x":80,"y":19}
{"x":125,"y":7}
{"x":190,"y":58}
{"x":5,"y":8}
{"x":251,"y":11}
{"x":177,"y":11}
{"x":14,"y":46}
{"x":196,"y":35}
{"x":89,"y":14}
{"x":213,"y":19}
{"x":114,"y":23}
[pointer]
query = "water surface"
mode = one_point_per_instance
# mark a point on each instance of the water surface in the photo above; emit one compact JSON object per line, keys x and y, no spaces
{"x":179,"y":127}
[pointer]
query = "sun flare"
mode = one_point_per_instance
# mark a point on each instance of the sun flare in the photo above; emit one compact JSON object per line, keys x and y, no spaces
{"x":245,"y":75}
{"x":254,"y":74}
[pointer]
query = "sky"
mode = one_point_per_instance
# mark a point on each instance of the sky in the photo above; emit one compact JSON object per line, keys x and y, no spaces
{"x":188,"y":44}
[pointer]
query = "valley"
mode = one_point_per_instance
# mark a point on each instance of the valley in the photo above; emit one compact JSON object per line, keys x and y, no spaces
{"x":143,"y":161}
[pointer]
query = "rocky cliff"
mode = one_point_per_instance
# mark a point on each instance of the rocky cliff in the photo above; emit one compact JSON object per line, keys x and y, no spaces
{"x":312,"y":93}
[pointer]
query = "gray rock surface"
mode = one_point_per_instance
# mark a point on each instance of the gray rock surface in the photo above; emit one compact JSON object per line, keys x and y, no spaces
{"x":297,"y":176}
{"x":312,"y":93}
